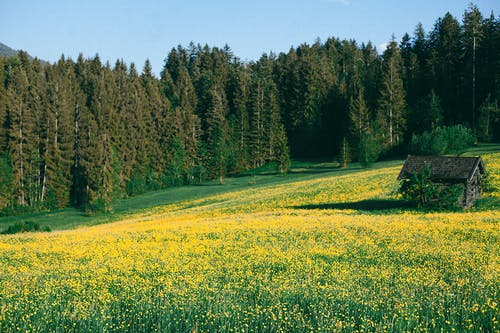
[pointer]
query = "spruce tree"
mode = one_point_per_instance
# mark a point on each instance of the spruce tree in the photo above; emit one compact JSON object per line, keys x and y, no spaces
{"x":216,"y":139}
{"x":257,"y":108}
{"x":59,"y":139}
{"x":344,"y":154}
{"x":6,"y":183}
{"x":21,"y":141}
{"x":159,"y":108}
{"x":3,"y":107}
{"x":186,"y":124}
{"x":281,"y":150}
{"x":472,"y":40}
{"x":446,"y":67}
{"x":392,"y":105}
{"x":239,"y":119}
{"x":359,"y":115}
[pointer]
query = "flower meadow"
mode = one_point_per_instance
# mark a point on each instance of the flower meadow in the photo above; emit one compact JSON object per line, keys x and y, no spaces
{"x":333,"y":253}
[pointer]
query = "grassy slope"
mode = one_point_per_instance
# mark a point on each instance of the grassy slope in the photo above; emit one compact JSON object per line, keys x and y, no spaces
{"x":70,"y":218}
{"x":321,"y":249}
{"x":324,"y":251}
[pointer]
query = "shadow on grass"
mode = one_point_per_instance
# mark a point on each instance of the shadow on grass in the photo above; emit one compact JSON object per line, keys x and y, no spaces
{"x":365,"y":205}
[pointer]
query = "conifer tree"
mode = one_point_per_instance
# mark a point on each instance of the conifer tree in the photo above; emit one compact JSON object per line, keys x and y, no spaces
{"x":158,"y":107}
{"x":446,"y":65}
{"x":186,"y":124}
{"x":430,"y":113}
{"x":281,"y":150}
{"x":96,"y":148}
{"x":359,"y":115}
{"x":216,"y":137}
{"x":345,"y":153}
{"x":21,"y":141}
{"x":3,"y":107}
{"x":138,"y":125}
{"x":392,"y":105}
{"x":272,"y":121}
{"x":58,"y":137}
{"x":471,"y":40}
{"x":257,"y":108}
{"x":6,"y":183}
{"x":239,"y":119}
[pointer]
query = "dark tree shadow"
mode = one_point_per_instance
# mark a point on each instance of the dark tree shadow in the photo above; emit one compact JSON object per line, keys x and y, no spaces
{"x":366,"y":205}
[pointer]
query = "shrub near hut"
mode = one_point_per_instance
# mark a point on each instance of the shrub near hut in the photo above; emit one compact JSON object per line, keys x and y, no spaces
{"x":442,"y":181}
{"x":421,"y":189}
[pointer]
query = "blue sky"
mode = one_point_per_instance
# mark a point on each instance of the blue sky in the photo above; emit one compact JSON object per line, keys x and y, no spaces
{"x":137,"y":30}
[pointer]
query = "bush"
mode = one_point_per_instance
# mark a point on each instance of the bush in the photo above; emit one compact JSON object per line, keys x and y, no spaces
{"x":136,"y":185}
{"x":99,"y":206}
{"x":443,"y":140}
{"x":419,"y":188}
{"x":369,"y":149}
{"x":26,"y":226}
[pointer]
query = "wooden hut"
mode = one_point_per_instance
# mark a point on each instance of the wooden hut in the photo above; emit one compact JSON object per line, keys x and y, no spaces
{"x":447,"y":171}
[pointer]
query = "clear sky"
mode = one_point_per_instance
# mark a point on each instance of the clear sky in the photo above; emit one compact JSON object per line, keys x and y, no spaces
{"x":137,"y":30}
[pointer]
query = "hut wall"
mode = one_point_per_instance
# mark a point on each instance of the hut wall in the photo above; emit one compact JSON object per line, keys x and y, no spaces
{"x":472,"y":190}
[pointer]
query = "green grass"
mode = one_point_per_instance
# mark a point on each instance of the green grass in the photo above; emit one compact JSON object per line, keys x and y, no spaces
{"x":70,"y":218}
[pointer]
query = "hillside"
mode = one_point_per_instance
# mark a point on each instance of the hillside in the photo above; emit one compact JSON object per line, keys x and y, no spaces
{"x":211,"y":115}
{"x":320,"y":251}
{"x":6,"y":51}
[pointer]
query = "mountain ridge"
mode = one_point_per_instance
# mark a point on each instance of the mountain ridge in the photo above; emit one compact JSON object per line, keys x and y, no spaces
{"x":7,"y":52}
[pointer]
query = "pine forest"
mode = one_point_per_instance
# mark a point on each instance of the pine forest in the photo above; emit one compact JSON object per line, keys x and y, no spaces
{"x":82,"y":132}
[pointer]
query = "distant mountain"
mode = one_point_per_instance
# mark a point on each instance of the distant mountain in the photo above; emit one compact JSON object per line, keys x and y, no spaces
{"x":6,"y":51}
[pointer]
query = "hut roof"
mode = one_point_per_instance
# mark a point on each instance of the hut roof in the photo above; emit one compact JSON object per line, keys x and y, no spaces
{"x":443,"y":167}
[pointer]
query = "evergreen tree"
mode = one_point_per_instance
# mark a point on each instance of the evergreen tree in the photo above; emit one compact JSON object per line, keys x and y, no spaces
{"x":281,"y":150}
{"x":216,"y":141}
{"x":369,"y":148}
{"x":6,"y":183}
{"x":239,"y":122}
{"x":59,"y":140}
{"x":446,"y":48}
{"x":345,"y":154}
{"x":187,"y":126}
{"x":272,"y":121}
{"x":392,"y":105}
{"x":472,"y":40}
{"x":431,"y":113}
{"x":372,"y":74}
{"x":420,"y":47}
{"x":159,"y":108}
{"x":488,"y":122}
{"x":3,"y":107}
{"x":138,"y":125}
{"x":257,"y":107}
{"x":359,"y":115}
{"x":488,"y":62}
{"x":96,"y":147}
{"x":21,"y":141}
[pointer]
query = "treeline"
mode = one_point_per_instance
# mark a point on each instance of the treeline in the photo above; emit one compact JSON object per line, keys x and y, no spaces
{"x":82,"y":133}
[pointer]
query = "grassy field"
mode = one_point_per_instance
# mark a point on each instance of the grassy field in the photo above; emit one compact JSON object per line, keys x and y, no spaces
{"x":319,"y":250}
{"x":70,"y":218}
